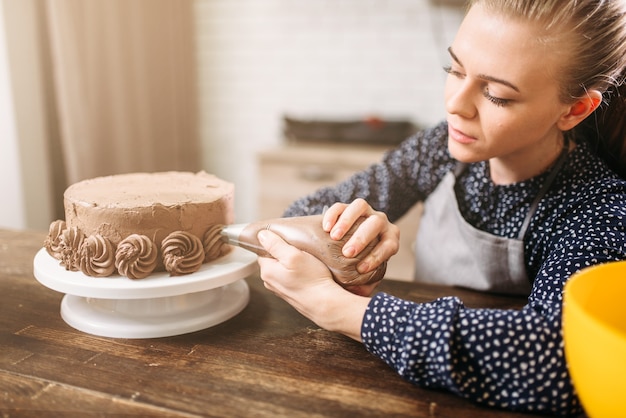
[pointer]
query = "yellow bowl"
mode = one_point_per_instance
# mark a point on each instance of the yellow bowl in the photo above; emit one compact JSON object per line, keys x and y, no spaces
{"x":594,"y":332}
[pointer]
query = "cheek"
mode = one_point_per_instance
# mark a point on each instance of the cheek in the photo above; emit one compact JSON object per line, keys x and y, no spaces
{"x":519,"y":125}
{"x":499,"y":125}
{"x":502,"y":125}
{"x":533,"y":121}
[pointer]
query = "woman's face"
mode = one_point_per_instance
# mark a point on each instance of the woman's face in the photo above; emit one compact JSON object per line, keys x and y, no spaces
{"x":502,"y":97}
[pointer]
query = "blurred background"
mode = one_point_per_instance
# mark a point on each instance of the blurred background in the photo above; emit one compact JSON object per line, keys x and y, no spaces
{"x":99,"y":87}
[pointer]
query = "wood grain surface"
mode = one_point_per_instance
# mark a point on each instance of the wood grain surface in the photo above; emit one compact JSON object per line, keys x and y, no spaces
{"x":268,"y":361}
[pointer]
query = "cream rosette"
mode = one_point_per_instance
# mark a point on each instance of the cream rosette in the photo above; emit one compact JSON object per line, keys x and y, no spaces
{"x":52,"y":243}
{"x":183,"y":253}
{"x":214,"y":245}
{"x":70,"y":241}
{"x":136,"y":256}
{"x":97,"y":256}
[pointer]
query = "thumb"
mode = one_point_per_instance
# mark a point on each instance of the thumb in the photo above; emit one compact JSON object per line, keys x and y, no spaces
{"x":274,"y":244}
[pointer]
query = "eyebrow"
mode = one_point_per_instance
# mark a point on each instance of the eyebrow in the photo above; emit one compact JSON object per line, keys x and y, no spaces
{"x":484,"y":76}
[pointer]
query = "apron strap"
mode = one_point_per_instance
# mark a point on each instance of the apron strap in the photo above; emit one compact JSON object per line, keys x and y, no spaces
{"x":544,"y":189}
{"x":460,"y":168}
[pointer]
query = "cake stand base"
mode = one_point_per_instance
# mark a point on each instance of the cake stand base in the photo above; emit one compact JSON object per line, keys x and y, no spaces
{"x":155,"y":318}
{"x":157,"y":306}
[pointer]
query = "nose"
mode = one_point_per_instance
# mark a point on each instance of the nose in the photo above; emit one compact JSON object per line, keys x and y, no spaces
{"x":460,"y":97}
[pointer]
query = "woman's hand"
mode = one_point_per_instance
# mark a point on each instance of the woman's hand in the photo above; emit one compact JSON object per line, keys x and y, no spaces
{"x":306,"y":284}
{"x":339,"y":218}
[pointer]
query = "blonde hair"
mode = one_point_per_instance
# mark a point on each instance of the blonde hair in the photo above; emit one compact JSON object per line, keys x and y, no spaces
{"x":594,"y":34}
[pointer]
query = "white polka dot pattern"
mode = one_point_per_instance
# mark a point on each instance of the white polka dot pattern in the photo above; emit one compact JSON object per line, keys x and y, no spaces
{"x":503,"y":358}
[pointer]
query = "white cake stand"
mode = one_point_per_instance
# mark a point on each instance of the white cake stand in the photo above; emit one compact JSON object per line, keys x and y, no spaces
{"x":157,"y":306}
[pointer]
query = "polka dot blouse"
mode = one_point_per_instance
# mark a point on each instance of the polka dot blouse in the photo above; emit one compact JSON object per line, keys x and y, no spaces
{"x":510,"y":359}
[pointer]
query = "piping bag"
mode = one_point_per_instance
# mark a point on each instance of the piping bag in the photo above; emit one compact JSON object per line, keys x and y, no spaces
{"x":306,"y":234}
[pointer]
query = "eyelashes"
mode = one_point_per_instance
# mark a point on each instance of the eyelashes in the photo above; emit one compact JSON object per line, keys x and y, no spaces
{"x":448,"y":69}
{"x":498,"y":101}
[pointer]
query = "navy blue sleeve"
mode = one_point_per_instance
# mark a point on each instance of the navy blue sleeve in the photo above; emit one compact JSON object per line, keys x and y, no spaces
{"x":511,"y":359}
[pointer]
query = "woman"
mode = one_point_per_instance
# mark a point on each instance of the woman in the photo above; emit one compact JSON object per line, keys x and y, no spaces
{"x":522,"y":188}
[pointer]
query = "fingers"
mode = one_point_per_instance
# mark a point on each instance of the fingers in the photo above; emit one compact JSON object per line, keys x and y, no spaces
{"x":371,"y":228}
{"x":275,"y":245}
{"x":387,"y":246}
{"x":354,"y":211}
{"x":276,"y":268}
{"x":283,"y":257}
{"x":340,"y":218}
{"x":376,"y":225}
{"x":288,"y":262}
{"x":331,"y":215}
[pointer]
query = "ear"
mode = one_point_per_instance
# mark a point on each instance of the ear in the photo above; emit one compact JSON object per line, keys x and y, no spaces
{"x":579,"y":110}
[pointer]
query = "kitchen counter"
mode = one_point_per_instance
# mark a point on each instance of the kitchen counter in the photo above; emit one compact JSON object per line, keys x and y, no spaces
{"x":268,"y":361}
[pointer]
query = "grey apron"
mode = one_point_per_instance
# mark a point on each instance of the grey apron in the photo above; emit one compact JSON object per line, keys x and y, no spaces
{"x":450,"y":251}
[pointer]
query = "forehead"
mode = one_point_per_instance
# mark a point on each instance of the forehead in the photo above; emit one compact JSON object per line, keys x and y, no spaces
{"x":510,"y":48}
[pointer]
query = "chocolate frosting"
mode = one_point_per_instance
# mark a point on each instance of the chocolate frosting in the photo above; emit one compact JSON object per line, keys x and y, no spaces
{"x":183,"y":253}
{"x":110,"y":209}
{"x":52,"y":242}
{"x":214,"y":245}
{"x":69,"y":243}
{"x":136,"y":256}
{"x":97,"y":257}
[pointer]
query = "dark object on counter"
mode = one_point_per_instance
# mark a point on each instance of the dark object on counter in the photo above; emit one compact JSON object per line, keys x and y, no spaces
{"x":372,"y":130}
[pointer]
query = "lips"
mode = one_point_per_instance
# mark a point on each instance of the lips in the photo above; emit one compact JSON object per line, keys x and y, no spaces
{"x":460,"y":136}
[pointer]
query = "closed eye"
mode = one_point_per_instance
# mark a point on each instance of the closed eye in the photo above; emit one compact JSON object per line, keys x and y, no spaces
{"x":498,"y":101}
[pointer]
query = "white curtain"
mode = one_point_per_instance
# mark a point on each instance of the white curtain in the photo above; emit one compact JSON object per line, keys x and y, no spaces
{"x":124,"y":85}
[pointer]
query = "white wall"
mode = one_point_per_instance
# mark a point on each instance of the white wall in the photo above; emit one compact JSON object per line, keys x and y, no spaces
{"x":257,"y":60}
{"x":12,"y":213}
{"x":261,"y":59}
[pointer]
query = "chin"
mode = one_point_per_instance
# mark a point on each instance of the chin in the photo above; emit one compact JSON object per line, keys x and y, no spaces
{"x":463,"y":153}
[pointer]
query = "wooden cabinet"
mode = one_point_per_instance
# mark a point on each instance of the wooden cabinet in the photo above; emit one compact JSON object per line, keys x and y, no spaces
{"x":292,"y":171}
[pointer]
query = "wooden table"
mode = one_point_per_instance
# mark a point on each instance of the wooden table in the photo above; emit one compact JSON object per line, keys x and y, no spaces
{"x":266,"y":361}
